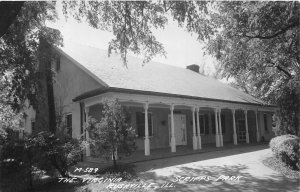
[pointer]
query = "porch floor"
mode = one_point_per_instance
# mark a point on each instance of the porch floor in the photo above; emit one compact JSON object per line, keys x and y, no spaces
{"x":162,"y":153}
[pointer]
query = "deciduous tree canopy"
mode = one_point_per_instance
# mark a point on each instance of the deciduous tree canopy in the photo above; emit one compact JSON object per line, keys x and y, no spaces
{"x":133,"y":22}
{"x":258,"y":44}
{"x":18,"y":50}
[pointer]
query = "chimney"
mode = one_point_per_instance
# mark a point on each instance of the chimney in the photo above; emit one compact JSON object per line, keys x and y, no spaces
{"x":193,"y":67}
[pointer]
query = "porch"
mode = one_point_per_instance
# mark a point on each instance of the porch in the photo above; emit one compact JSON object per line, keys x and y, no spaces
{"x":177,"y":125}
{"x":165,"y":153}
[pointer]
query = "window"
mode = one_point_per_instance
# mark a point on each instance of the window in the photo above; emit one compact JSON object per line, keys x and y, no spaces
{"x":204,"y":124}
{"x":69,"y":124}
{"x":266,"y":122}
{"x":223,"y":123}
{"x":140,"y":124}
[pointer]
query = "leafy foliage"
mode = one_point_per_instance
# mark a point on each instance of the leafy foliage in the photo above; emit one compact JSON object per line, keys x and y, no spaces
{"x":62,"y":152}
{"x":113,"y":135}
{"x":23,"y":160}
{"x":19,"y":51}
{"x":286,"y":149}
{"x":288,"y":115}
{"x":132,"y":22}
{"x":19,"y":159}
{"x":258,"y":46}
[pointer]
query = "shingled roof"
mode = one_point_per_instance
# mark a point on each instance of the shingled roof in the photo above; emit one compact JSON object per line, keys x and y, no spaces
{"x":150,"y":78}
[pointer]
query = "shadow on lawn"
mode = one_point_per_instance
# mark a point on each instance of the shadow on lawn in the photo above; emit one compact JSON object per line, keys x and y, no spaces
{"x":60,"y":187}
{"x":201,"y":156}
{"x":84,"y":184}
{"x":247,"y":182}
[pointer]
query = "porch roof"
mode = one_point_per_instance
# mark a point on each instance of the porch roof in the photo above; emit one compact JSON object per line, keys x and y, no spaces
{"x":152,"y":78}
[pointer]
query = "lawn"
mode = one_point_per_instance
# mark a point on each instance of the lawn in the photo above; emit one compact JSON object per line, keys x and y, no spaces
{"x":280,"y":167}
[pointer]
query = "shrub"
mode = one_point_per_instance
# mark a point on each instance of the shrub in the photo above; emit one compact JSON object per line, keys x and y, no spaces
{"x":22,"y":161}
{"x":286,"y":149}
{"x":61,"y":152}
{"x":18,"y":161}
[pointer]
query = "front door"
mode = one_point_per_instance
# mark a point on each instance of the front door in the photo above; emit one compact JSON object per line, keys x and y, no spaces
{"x":241,"y":130}
{"x":179,"y":129}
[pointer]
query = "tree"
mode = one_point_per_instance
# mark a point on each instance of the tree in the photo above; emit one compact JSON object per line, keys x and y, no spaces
{"x":132,"y":22}
{"x":113,"y":135}
{"x":258,"y":45}
{"x":19,"y":50}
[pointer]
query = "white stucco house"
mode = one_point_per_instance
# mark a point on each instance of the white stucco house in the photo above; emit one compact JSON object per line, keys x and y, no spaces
{"x":169,"y":106}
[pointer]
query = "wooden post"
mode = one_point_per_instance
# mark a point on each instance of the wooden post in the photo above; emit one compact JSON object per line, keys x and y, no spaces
{"x":220,"y":129}
{"x":173,"y":141}
{"x":234,"y":127}
{"x":217,"y":129}
{"x":257,"y":128}
{"x":194,"y":130}
{"x":147,"y":141}
{"x":246,"y":122}
{"x":198,"y":130}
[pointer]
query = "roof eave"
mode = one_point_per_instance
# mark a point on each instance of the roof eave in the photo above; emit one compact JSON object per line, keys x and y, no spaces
{"x":141,"y":92}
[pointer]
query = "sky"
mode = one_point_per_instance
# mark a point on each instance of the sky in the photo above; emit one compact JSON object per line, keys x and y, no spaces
{"x":182,"y":48}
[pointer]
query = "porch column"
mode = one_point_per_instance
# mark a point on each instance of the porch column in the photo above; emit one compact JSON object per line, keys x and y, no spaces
{"x":194,"y":130}
{"x":257,"y":129}
{"x":147,"y":142}
{"x":87,"y":135}
{"x":246,"y":123}
{"x":234,"y":127}
{"x":220,"y":129}
{"x":198,"y":130}
{"x":173,"y":142}
{"x":217,"y":129}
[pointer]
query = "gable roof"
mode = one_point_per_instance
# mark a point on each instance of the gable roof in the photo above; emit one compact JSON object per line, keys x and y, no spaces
{"x":150,"y":78}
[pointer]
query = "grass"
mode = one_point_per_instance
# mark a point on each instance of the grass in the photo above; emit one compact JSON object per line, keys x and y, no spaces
{"x":279,"y":166}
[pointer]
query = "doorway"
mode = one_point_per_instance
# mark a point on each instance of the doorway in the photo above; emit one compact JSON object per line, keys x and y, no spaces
{"x":241,"y":130}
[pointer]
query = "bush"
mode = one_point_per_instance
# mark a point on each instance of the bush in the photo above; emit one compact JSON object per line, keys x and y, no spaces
{"x":18,"y":161}
{"x":61,"y":152}
{"x":22,"y":161}
{"x":286,"y":149}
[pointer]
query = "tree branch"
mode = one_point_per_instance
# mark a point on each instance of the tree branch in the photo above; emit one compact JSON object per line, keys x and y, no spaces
{"x":283,"y":30}
{"x":281,"y":69}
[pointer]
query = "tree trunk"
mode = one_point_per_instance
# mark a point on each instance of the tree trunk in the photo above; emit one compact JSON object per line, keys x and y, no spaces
{"x":45,"y":109}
